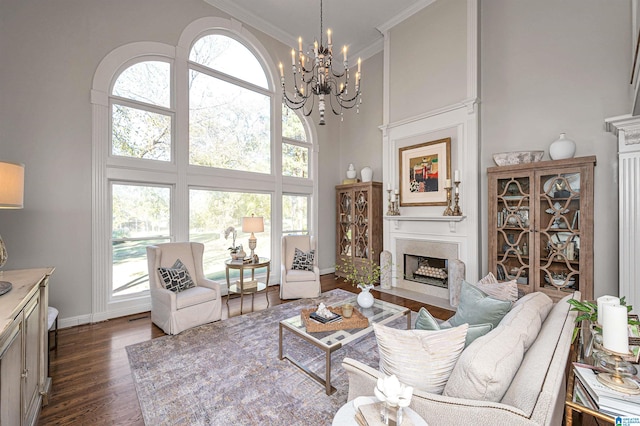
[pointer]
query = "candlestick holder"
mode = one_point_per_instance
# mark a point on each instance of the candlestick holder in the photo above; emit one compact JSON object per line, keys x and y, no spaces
{"x":618,"y":372}
{"x":456,"y":209}
{"x":448,"y":211}
{"x":393,"y":209}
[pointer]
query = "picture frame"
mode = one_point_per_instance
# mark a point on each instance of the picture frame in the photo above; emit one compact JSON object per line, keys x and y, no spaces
{"x":424,"y":169}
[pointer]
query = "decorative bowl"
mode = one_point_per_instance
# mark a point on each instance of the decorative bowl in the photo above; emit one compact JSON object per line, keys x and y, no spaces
{"x":560,"y":281}
{"x":517,"y":157}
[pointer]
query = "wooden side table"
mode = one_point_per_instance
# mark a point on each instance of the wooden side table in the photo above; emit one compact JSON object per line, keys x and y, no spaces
{"x":252,"y":287}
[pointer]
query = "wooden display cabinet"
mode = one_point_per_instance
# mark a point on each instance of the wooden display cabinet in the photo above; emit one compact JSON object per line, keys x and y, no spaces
{"x":541,"y":225}
{"x":359,"y":223}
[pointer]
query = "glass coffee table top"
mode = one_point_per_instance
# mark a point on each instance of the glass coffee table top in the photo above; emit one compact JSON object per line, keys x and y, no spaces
{"x":381,"y":312}
{"x":330,"y":341}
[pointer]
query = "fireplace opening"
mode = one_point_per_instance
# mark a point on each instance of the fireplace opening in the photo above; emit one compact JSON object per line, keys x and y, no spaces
{"x":426,"y":270}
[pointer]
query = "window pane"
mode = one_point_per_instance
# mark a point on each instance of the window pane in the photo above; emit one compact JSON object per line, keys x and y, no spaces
{"x":140,"y":217}
{"x":148,"y":82}
{"x":295,"y":214}
{"x":229,"y":127}
{"x":292,"y":127}
{"x":212,"y":212}
{"x":295,"y":160}
{"x":229,"y":56}
{"x":140,"y":134}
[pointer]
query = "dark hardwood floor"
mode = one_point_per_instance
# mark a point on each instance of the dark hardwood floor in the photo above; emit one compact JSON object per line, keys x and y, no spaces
{"x":92,"y":382}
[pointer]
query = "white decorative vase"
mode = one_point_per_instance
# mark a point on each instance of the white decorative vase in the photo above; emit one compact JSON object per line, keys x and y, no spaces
{"x":562,"y":148}
{"x":365,"y":298}
{"x":351,"y":172}
{"x":366,"y":174}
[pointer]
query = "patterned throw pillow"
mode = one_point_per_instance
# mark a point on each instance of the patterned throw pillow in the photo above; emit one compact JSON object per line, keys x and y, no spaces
{"x":176,"y":278}
{"x":303,"y":261}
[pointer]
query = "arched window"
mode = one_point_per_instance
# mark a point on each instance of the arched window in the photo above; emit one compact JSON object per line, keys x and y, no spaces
{"x":184,"y":147}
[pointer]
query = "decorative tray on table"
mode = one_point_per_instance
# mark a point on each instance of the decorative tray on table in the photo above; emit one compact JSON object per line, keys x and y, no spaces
{"x":357,"y":320}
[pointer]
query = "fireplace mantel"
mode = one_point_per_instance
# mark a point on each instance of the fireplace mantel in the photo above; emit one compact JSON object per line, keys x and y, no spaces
{"x":451,"y":219}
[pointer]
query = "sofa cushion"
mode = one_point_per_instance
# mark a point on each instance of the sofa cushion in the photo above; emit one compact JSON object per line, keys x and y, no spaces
{"x":506,"y":290}
{"x":420,"y":358}
{"x":487,"y":367}
{"x":476,"y":307}
{"x":528,"y":315}
{"x":524,"y":392}
{"x":426,"y":321}
{"x":294,"y":275}
{"x":303,"y":261}
{"x":194,"y":296}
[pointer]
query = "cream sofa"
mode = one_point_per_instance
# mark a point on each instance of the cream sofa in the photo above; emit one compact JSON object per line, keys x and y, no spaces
{"x":534,"y":396}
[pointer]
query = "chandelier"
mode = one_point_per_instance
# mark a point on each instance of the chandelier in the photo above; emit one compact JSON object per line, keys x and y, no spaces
{"x":314,"y":76}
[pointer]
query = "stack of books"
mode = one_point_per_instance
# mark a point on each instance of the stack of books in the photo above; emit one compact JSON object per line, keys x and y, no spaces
{"x":593,"y":394}
{"x":316,"y":317}
{"x":371,"y":415}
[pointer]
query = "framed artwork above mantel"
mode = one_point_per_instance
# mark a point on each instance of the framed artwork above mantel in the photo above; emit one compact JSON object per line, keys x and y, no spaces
{"x":424,"y":169}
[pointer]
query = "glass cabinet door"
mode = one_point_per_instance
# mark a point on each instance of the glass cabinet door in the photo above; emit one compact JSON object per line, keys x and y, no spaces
{"x":361,"y":224}
{"x":344,"y":223}
{"x":559,"y":248}
{"x":513,"y":242}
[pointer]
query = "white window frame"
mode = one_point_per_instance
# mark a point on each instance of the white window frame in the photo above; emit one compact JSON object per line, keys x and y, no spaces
{"x":179,"y":174}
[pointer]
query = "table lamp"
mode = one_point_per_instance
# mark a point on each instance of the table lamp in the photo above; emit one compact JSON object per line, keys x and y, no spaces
{"x":11,"y":197}
{"x":252,"y":224}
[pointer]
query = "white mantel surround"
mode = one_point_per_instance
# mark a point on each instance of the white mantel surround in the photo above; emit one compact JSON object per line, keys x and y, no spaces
{"x":426,"y":223}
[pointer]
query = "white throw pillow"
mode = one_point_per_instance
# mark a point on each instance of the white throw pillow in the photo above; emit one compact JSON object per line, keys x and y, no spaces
{"x":423,"y":359}
{"x":506,"y":290}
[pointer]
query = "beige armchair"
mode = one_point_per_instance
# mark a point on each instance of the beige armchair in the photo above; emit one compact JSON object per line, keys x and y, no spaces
{"x":173,"y":311}
{"x":294,"y":283}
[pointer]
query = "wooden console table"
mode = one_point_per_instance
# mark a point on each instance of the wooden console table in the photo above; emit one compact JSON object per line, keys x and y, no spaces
{"x":24,"y":348}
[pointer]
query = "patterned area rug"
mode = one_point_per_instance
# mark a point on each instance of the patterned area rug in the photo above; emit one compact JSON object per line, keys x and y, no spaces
{"x":228,"y":372}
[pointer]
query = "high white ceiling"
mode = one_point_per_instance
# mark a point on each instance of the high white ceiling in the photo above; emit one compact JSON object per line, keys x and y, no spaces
{"x":355,"y":23}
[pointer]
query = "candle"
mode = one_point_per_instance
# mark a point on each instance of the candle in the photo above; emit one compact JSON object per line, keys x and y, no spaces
{"x":456,"y":176}
{"x":359,"y":65}
{"x":605,"y":300}
{"x":315,"y":48}
{"x":388,"y":187}
{"x":300,"y":45}
{"x":344,"y":53}
{"x":329,"y":37}
{"x":615,"y":334}
{"x":293,"y":57}
{"x":447,"y":183}
{"x":281,"y":71}
{"x":395,"y":191}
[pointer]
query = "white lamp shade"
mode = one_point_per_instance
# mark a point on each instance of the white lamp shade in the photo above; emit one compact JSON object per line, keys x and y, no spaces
{"x":253,"y":224}
{"x":11,"y":185}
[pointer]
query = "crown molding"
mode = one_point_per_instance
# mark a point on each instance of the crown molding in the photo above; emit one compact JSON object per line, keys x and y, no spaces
{"x":407,"y":13}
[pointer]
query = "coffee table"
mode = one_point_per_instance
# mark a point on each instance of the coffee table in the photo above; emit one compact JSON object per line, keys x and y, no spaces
{"x":330,"y":341}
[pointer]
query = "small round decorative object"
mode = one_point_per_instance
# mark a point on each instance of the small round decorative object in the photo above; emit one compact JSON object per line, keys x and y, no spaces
{"x":365,"y":298}
{"x":562,"y":148}
{"x":367,"y":174}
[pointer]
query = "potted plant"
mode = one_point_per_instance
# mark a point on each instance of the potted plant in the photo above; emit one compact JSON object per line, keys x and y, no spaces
{"x":363,"y":274}
{"x":233,"y":250}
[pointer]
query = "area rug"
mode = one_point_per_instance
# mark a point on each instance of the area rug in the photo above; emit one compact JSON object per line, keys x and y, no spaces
{"x":228,"y":372}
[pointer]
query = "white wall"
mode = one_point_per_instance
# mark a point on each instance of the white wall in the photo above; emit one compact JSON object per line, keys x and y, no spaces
{"x":427,"y":60}
{"x":558,"y":66}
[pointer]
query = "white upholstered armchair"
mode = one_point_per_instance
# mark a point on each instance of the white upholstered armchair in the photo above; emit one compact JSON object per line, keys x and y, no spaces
{"x":175,"y":311}
{"x":298,"y":283}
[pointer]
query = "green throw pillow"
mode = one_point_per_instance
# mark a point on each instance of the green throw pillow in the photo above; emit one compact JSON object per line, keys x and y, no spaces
{"x":477,"y":308}
{"x":426,"y":322}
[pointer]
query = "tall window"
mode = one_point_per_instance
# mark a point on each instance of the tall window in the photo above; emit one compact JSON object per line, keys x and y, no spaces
{"x":187,"y":154}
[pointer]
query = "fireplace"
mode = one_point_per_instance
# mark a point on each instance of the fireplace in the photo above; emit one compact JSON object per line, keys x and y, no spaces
{"x":426,"y":270}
